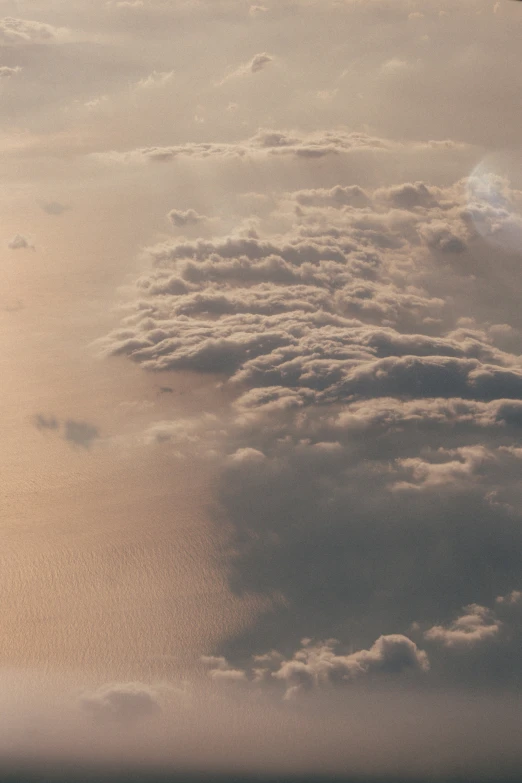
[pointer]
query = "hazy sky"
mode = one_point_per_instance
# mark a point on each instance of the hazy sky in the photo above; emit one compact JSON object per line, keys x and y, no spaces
{"x":261,"y":406}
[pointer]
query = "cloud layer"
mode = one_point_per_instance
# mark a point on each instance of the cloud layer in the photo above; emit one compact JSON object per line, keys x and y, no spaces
{"x":372,"y":441}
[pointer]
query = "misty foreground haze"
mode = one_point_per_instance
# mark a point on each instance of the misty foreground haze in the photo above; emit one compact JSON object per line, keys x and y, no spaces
{"x":261,"y":418}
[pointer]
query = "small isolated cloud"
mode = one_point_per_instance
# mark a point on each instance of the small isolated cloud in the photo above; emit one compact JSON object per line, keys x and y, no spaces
{"x":256,"y":64}
{"x":259,"y":61}
{"x":43,"y":422}
{"x":54,"y":207}
{"x":125,"y":4}
{"x":477,"y":625}
{"x":121,"y":702}
{"x":19,"y":242}
{"x":513,"y":598}
{"x":257,"y":10}
{"x":188,"y":217}
{"x":81,"y":433}
{"x":6,"y":71}
{"x":395,"y":65}
{"x":155,"y":79}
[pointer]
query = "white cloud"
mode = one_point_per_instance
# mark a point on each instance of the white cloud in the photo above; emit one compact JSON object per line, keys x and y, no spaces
{"x":7,"y":71}
{"x":20,"y":32}
{"x":477,"y":625}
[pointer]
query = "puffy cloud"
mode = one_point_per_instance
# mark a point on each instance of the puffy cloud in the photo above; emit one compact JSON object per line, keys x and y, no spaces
{"x":318,"y":664}
{"x":247,"y":455}
{"x":339,"y":304}
{"x":122,"y":702}
{"x":188,"y":217}
{"x":511,"y":599}
{"x":410,"y":195}
{"x":259,"y":61}
{"x":477,"y":625}
{"x":339,"y":196}
{"x":461,"y":464}
{"x":371,"y":445}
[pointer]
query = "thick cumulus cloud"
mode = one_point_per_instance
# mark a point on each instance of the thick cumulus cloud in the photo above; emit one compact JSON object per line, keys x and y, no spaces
{"x":318,"y":664}
{"x":371,"y":347}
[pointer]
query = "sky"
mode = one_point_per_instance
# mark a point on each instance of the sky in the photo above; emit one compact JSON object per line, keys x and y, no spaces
{"x":261,"y":406}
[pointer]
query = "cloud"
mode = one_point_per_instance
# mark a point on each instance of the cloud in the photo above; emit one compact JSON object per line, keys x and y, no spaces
{"x":247,"y":455}
{"x":256,"y":64}
{"x":19,"y":242}
{"x":370,"y":349}
{"x":80,"y":433}
{"x":125,"y":3}
{"x":317,"y":664}
{"x":331,"y":305}
{"x":7,"y":71}
{"x":121,"y":702}
{"x":257,"y":10}
{"x":219,"y":669}
{"x":54,"y":207}
{"x":477,"y":625}
{"x":263,"y":143}
{"x":259,"y":61}
{"x":339,"y":196}
{"x":512,"y":599}
{"x":188,"y":217}
{"x":155,"y":79}
{"x":46,"y":422}
{"x":22,"y":32}
{"x":461,"y":464}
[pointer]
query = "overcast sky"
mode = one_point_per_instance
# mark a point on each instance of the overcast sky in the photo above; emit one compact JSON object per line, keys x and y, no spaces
{"x":261,"y":414}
